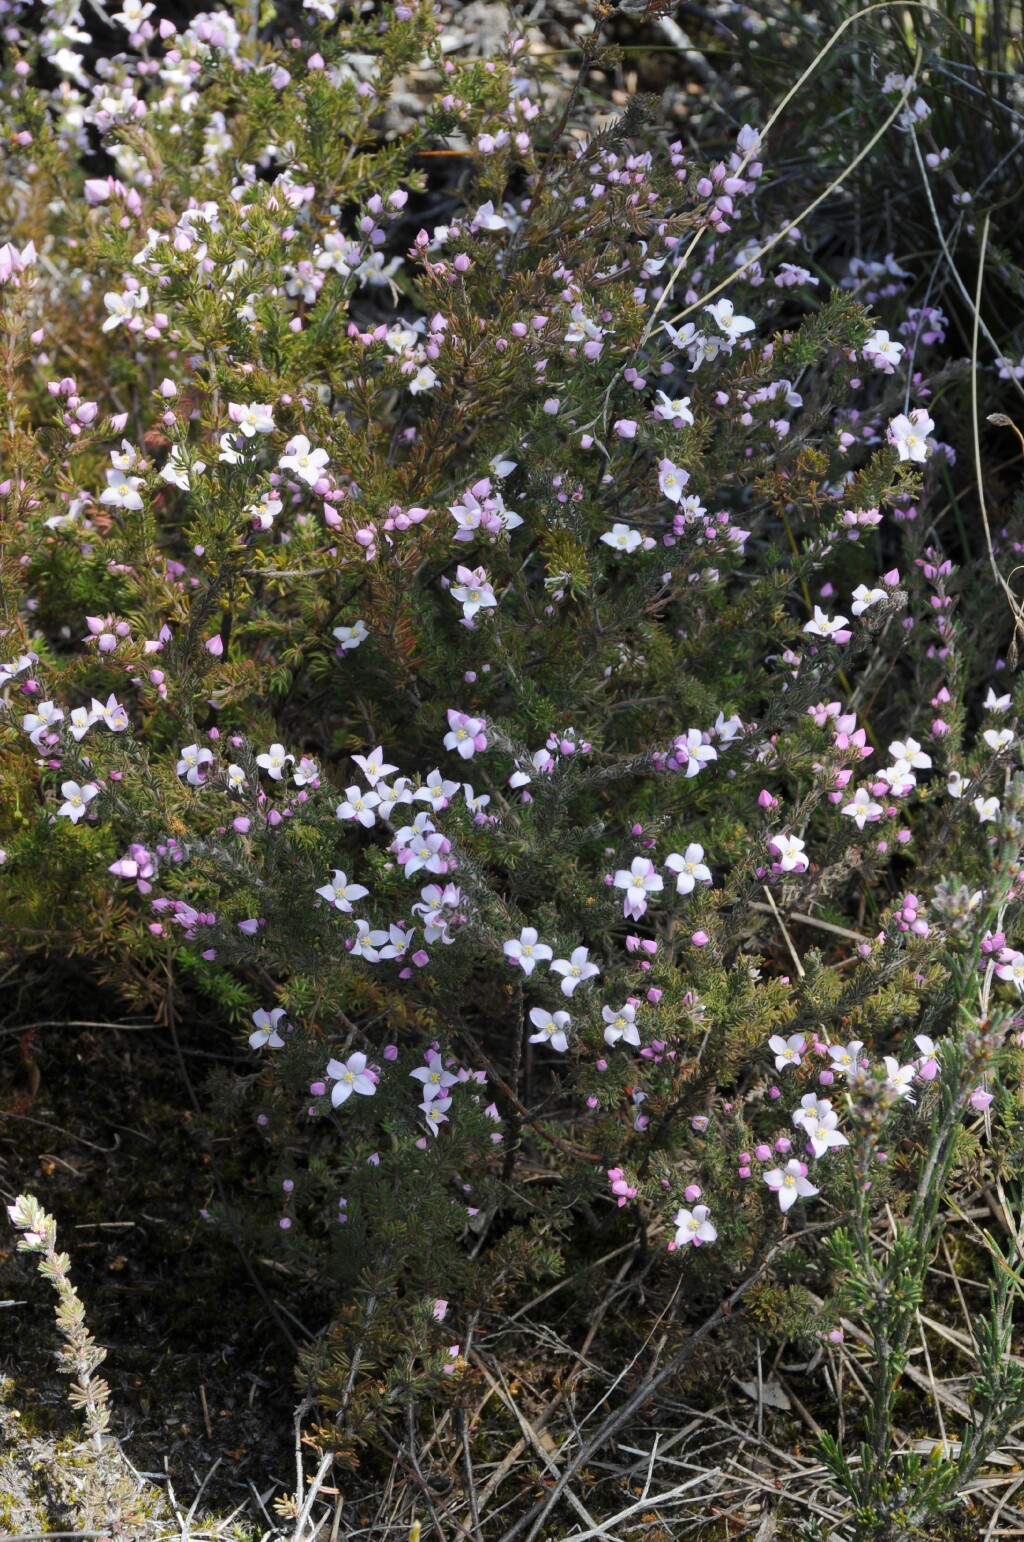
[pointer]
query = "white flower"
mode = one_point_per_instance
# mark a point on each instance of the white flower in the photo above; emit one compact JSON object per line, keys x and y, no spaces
{"x":691,"y":751}
{"x":898,"y":1078}
{"x":191,"y":764}
{"x":641,"y":880}
{"x":122,"y":492}
{"x":862,"y":808}
{"x":911,"y":752}
{"x":273,"y":762}
{"x":1012,"y":968}
{"x":787,"y":1051}
{"x":266,"y":1029}
{"x":732,"y":325}
{"x":436,"y":1080}
{"x":473,"y":591}
{"x":789,"y":849}
{"x":987,"y":809}
{"x":669,"y":411}
{"x":252,"y":418}
{"x":550,"y":1029}
{"x":621,"y":1025}
{"x":340,"y":893}
{"x":955,"y":784}
{"x":76,"y":800}
{"x":994,"y":703}
{"x":46,"y":716}
{"x":350,"y":1076}
{"x":351,"y":636}
{"x":437,"y":791}
{"x":694,"y":1225}
{"x":884,"y":352}
{"x":863,"y":597}
{"x":358,"y":805}
{"x":824,"y":626}
{"x":526,"y":950}
{"x":844,"y":1057}
{"x":822,"y":1133}
{"x":998,"y":738}
{"x":622,"y":538}
{"x":307,"y":463}
{"x":574,"y":970}
{"x":909,"y":435}
{"x":688,"y":868}
{"x":424,"y":379}
{"x":672,"y":480}
{"x":235,"y":778}
{"x":373,"y":766}
{"x":790,"y":1183}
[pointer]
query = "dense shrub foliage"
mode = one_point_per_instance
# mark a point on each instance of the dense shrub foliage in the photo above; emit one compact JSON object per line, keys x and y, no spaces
{"x":508,"y":618}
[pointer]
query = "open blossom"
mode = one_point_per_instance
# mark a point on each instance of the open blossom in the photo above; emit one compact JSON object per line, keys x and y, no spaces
{"x":252,"y":417}
{"x":910,"y":751}
{"x":672,"y":480}
{"x":688,"y":868}
{"x":724,"y":313}
{"x":373,"y":766}
{"x":909,"y":435}
{"x":694,"y":1226}
{"x":862,"y":808}
{"x":641,"y":880}
{"x":898,"y":1078}
{"x":987,"y":809}
{"x":863,"y":598}
{"x":266,"y":1029}
{"x":436,"y":1080}
{"x":274,"y":761}
{"x":669,"y":411}
{"x":827,"y":626}
{"x":473,"y":591}
{"x":358,"y":805}
{"x":789,"y":850}
{"x":38,"y":723}
{"x":435,"y":1112}
{"x":350,"y":1076}
{"x":689,"y":750}
{"x":308,"y":464}
{"x":621,"y":1025}
{"x":550,"y":1028}
{"x":787,"y":1051}
{"x":191,"y":764}
{"x":622,"y":538}
{"x":822,"y":1132}
{"x":351,"y":636}
{"x":76,"y":800}
{"x":467,"y":734}
{"x":998,"y":738}
{"x":113,"y":713}
{"x":122,"y":492}
{"x":574,"y":970}
{"x":790,"y":1183}
{"x":845,"y":1057}
{"x":885,"y":353}
{"x":1012,"y":968}
{"x":526,"y":950}
{"x":340,"y":893}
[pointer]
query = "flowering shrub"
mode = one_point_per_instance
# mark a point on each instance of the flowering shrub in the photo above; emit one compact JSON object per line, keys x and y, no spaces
{"x":322,"y":494}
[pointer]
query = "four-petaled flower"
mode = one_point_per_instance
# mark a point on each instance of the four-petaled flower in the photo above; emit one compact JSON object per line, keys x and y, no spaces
{"x":694,"y":1226}
{"x":550,"y":1028}
{"x":76,"y":799}
{"x":274,"y":761}
{"x":526,"y":950}
{"x":191,"y":764}
{"x":266,"y":1028}
{"x":340,"y":893}
{"x":252,"y":417}
{"x":724,"y":312}
{"x":689,"y":750}
{"x":688,"y":868}
{"x":622,"y":538}
{"x":307,"y":463}
{"x":467,"y":734}
{"x":351,"y":636}
{"x":473,"y":591}
{"x":358,"y":805}
{"x":862,"y":808}
{"x":790,"y":1183}
{"x":641,"y":880}
{"x":789,"y":849}
{"x":827,"y":626}
{"x":574,"y":970}
{"x":621,"y":1025}
{"x":373,"y":766}
{"x":436,"y":1080}
{"x":909,"y":435}
{"x":787,"y":1051}
{"x":350,"y":1076}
